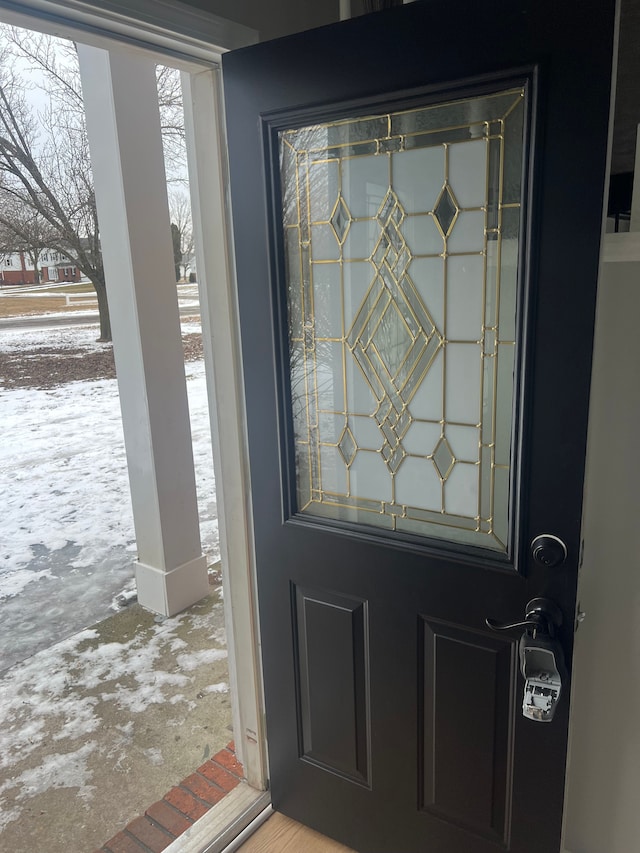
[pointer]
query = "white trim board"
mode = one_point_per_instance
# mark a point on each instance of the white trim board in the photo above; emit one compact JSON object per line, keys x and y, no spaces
{"x":196,"y":37}
{"x":207,"y":159}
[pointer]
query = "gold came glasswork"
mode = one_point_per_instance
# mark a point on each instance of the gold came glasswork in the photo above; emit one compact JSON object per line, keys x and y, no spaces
{"x":401,"y":236}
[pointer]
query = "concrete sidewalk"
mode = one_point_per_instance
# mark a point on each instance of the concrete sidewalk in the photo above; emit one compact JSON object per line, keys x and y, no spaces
{"x":99,"y":726}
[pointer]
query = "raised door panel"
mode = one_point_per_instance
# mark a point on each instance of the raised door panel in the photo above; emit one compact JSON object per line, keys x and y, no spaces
{"x":332,"y":670}
{"x":467,"y":686}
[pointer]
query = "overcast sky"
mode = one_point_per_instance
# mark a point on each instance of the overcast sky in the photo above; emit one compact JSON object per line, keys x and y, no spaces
{"x":33,"y":76}
{"x":35,"y":79}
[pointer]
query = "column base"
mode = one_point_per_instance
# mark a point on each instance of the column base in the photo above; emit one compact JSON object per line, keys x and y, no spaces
{"x":170,"y":592}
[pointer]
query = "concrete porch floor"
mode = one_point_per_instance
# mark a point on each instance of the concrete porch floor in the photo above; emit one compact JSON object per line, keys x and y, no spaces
{"x":96,"y":728}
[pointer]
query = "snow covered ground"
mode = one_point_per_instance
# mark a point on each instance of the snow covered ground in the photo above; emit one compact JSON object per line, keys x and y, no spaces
{"x":67,"y":542}
{"x":100,"y":725}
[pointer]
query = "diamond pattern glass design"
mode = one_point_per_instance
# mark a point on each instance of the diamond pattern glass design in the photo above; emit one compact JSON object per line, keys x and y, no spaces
{"x":445,"y":211}
{"x":401,"y":237}
{"x":341,"y":220}
{"x":443,"y":459}
{"x":347,"y":446}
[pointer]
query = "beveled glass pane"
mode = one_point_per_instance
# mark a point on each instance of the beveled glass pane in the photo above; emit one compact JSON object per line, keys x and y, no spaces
{"x":332,"y":470}
{"x":392,"y":339}
{"x":422,"y":236}
{"x":357,"y":243}
{"x":445,"y":211}
{"x":356,"y":282}
{"x":467,"y":172}
{"x":468,"y":114}
{"x":421,"y":434}
{"x":324,"y":244}
{"x":512,"y":130}
{"x":417,"y":484}
{"x":504,"y":397}
{"x":323,"y":189}
{"x":331,"y":427}
{"x":464,"y":297}
{"x":365,"y":432}
{"x":290,"y":199}
{"x":509,"y":248}
{"x":417,"y":178}
{"x":369,"y":476}
{"x":461,"y":491}
{"x":402,"y":245}
{"x":428,"y":400}
{"x":463,"y":375}
{"x":464,"y":442}
{"x":468,"y":234}
{"x":428,"y":277}
{"x":326,"y":301}
{"x":443,"y":458}
{"x":365,"y":181}
{"x":340,"y":220}
{"x":328,"y":374}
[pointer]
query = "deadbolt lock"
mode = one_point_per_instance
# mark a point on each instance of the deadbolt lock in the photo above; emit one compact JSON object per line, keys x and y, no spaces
{"x":548,"y":550}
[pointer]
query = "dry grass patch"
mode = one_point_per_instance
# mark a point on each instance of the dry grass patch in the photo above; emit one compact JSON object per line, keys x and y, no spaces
{"x":26,"y":306}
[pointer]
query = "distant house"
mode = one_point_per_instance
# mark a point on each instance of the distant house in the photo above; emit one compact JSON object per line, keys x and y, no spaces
{"x":17,"y":268}
{"x":188,"y":267}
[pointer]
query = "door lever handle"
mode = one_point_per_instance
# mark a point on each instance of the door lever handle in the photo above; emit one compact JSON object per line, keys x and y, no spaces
{"x":541,"y":658}
{"x":507,"y":626}
{"x":541,"y":616}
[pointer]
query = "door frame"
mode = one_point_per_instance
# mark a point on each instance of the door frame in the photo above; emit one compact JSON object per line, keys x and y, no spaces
{"x":194,"y":40}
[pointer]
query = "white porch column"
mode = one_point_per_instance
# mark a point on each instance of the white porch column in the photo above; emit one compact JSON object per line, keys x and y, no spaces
{"x":123,"y":125}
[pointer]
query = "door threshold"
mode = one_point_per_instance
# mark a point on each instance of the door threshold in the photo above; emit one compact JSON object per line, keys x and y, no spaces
{"x":223,"y":828}
{"x":248,"y":831}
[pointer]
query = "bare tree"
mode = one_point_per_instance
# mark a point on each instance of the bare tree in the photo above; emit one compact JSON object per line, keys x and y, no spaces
{"x":45,"y":167}
{"x":180,"y":214}
{"x":44,"y":158}
{"x":172,"y":124}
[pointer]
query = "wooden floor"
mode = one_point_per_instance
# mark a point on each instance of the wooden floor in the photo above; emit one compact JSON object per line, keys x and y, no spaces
{"x":280,"y":834}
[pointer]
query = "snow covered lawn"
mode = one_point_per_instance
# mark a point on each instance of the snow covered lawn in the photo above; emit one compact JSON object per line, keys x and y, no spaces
{"x":99,"y":726}
{"x":95,"y":722}
{"x":67,"y":542}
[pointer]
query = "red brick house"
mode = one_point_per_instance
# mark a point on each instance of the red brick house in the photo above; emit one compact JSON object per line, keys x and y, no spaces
{"x":18,"y":268}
